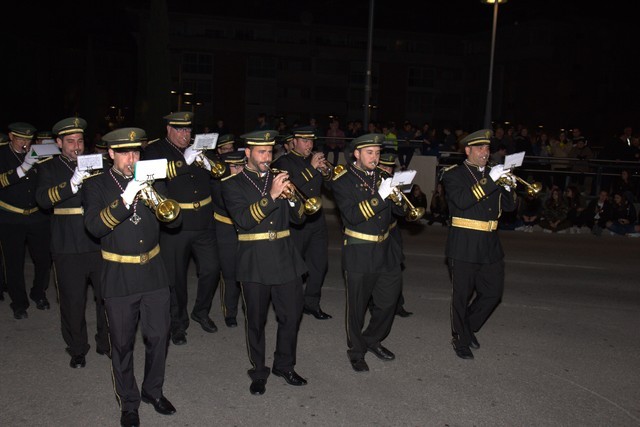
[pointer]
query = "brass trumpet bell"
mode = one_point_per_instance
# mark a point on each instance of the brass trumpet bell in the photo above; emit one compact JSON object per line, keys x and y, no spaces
{"x":217,"y":168}
{"x":532,"y":189}
{"x":311,"y":205}
{"x":166,"y":210}
{"x":413,"y":214}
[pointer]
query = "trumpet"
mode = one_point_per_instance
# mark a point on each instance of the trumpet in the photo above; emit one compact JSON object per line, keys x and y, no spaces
{"x":311,"y":204}
{"x":217,"y":168}
{"x":325,"y":167}
{"x":510,"y":179}
{"x":166,"y":210}
{"x":413,"y":214}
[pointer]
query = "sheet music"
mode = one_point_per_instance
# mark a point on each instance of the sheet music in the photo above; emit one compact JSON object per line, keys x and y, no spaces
{"x":90,"y":162}
{"x":40,"y":151}
{"x":403,"y":178}
{"x":205,"y":141}
{"x":150,"y":170}
{"x":513,"y":160}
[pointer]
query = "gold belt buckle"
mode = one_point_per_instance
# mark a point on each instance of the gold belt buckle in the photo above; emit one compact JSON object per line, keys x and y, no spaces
{"x":144,"y":258}
{"x":380,"y":238}
{"x":272,"y":235}
{"x":196,"y":206}
{"x":25,"y":212}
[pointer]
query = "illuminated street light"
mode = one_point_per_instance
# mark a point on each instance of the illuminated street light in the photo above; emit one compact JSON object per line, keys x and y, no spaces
{"x":487,"y":111}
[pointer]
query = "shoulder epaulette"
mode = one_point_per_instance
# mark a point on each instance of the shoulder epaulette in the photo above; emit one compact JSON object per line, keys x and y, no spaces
{"x":448,"y":168}
{"x":46,"y":159}
{"x":339,"y":171}
{"x":152,"y":141}
{"x":227,"y":177}
{"x":93,"y":175}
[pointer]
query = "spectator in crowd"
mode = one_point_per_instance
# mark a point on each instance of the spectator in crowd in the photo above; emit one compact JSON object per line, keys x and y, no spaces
{"x":560,"y":164}
{"x":430,"y":143}
{"x":554,"y":214}
{"x":597,"y":213}
{"x":438,"y":207}
{"x":498,"y":140}
{"x":583,"y":154}
{"x":220,"y":128}
{"x":497,"y":157}
{"x":624,"y":216}
{"x":576,"y":206}
{"x":625,"y":186}
{"x":261,"y":122}
{"x":523,"y":141}
{"x":335,"y":141}
{"x":405,"y":148}
{"x":450,"y":142}
{"x":529,"y":212}
{"x":390,"y":138}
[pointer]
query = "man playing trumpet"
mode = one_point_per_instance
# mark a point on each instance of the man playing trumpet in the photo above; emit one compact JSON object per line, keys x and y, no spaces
{"x":268,"y":264}
{"x":309,"y":172}
{"x":22,"y":223}
{"x":473,"y":250}
{"x":75,"y":252}
{"x":135,"y":281}
{"x":371,"y":259}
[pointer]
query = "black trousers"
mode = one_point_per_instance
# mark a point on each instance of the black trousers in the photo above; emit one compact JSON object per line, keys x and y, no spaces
{"x":151,"y":310}
{"x":72,"y":274}
{"x":383,"y":289}
{"x":312,"y":241}
{"x":287,"y":303}
{"x":227,"y":240}
{"x":483,"y":282}
{"x":15,"y":239}
{"x":177,"y":249}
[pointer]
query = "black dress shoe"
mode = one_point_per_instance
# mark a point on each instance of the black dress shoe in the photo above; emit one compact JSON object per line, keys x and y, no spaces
{"x":359,"y":365}
{"x":20,"y":313}
{"x":161,"y":404}
{"x":78,"y":361}
{"x":463,"y":351}
{"x":475,"y":344}
{"x":207,"y":324}
{"x":291,"y":377}
{"x":43,"y":304}
{"x":231,"y":322}
{"x":318,"y":314}
{"x":130,"y":418}
{"x":382,"y":353}
{"x":403,"y":313}
{"x":258,"y":386}
{"x":179,"y":338}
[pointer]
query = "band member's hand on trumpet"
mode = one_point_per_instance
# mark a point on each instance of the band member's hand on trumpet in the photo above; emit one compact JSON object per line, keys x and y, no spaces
{"x":320,"y":163}
{"x":131,"y":191}
{"x":281,"y":186}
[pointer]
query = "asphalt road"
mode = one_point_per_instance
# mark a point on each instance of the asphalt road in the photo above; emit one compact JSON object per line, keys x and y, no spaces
{"x":562,"y":349}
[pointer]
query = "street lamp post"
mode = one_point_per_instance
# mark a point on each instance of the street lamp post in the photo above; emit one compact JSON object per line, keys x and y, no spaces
{"x":488,"y":107}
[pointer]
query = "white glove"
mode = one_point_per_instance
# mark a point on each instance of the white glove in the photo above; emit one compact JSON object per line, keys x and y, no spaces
{"x":133,"y":187}
{"x":496,"y":172}
{"x":27,"y":164}
{"x":190,"y":154}
{"x":76,"y":179}
{"x":204,"y":162}
{"x":385,"y":188}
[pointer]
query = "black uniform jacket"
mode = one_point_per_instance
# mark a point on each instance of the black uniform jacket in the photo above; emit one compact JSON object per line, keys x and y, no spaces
{"x":266,"y":261}
{"x":472,"y":194}
{"x":68,"y":233}
{"x":307,"y":179}
{"x":186,"y":184}
{"x":18,"y":192}
{"x":107,"y":218}
{"x":363,"y":211}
